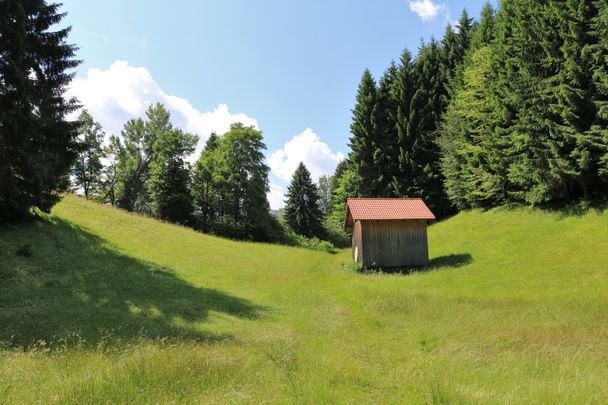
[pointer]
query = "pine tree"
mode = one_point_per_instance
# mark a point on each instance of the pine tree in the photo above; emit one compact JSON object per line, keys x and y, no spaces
{"x":364,"y":131}
{"x":302,"y":211}
{"x":88,"y":168}
{"x":37,"y":143}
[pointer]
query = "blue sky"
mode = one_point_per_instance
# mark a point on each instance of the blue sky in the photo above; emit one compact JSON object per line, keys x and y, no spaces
{"x":290,"y":68}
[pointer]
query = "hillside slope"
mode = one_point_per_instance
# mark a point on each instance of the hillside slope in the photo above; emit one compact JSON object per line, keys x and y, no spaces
{"x":114,"y":307}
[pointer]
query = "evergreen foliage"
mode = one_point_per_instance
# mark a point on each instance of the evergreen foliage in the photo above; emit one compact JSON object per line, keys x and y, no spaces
{"x":302,"y":211}
{"x":386,"y":146}
{"x":599,"y":129}
{"x":426,"y":179}
{"x":510,"y":108}
{"x":467,"y":141}
{"x":364,"y":133}
{"x":403,"y":91}
{"x":38,"y":145}
{"x":483,"y":32}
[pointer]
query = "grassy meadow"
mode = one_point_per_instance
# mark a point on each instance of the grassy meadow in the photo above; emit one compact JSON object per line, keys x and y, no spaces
{"x":101,"y":306}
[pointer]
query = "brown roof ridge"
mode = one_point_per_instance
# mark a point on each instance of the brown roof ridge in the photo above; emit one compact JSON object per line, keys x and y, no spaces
{"x":386,"y":209}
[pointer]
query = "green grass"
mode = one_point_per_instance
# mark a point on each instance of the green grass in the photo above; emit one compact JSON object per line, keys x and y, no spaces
{"x":109,"y":307}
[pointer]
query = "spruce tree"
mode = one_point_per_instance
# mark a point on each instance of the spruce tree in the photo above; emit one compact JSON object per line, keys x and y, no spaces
{"x":467,"y":141}
{"x":403,"y":89}
{"x":576,"y":94}
{"x":385,"y":151}
{"x":599,"y":129}
{"x":483,"y":33}
{"x":364,"y":132}
{"x":38,"y":145}
{"x":87,"y":169}
{"x":525,"y":63}
{"x":302,"y":211}
{"x":463,"y":36}
{"x":427,"y":108}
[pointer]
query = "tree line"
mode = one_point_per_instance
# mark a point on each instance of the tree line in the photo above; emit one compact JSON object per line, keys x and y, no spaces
{"x":512,"y":108}
{"x":144,"y":169}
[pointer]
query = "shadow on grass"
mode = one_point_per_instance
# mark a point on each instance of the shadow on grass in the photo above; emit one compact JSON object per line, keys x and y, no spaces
{"x":453,"y":260}
{"x":441,"y":262}
{"x":73,"y":288}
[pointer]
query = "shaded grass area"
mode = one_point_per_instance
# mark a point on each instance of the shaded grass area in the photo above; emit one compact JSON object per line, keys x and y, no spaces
{"x":64,"y":285}
{"x":513,"y":309}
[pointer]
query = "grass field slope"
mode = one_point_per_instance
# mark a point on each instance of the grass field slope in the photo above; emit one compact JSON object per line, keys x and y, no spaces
{"x":101,"y":306}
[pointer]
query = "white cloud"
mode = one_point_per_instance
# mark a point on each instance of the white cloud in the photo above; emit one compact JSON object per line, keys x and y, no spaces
{"x":426,"y":9}
{"x":122,"y":92}
{"x":306,"y":147}
{"x":276,"y":196}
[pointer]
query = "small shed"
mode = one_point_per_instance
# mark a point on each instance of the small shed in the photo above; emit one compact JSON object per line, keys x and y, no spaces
{"x":388,"y":232}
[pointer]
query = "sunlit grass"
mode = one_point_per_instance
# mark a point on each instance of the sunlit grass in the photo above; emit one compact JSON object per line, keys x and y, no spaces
{"x":112,"y":307}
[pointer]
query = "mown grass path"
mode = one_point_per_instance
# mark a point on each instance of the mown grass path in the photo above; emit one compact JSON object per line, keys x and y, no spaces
{"x":109,"y":307}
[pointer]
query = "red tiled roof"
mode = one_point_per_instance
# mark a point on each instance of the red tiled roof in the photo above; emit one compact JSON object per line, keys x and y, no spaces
{"x":388,"y":208}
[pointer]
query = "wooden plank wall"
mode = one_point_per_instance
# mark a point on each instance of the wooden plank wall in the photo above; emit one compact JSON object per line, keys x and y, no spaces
{"x":357,"y":246}
{"x":399,"y":243}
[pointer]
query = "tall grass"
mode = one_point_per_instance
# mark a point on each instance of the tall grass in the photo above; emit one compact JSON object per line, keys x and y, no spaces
{"x":109,"y":307}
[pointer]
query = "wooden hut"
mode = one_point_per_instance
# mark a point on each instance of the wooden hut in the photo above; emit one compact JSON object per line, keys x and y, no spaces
{"x":388,"y":232}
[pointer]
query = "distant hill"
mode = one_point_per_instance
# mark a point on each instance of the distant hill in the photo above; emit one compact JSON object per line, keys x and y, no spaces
{"x":99,"y":305}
